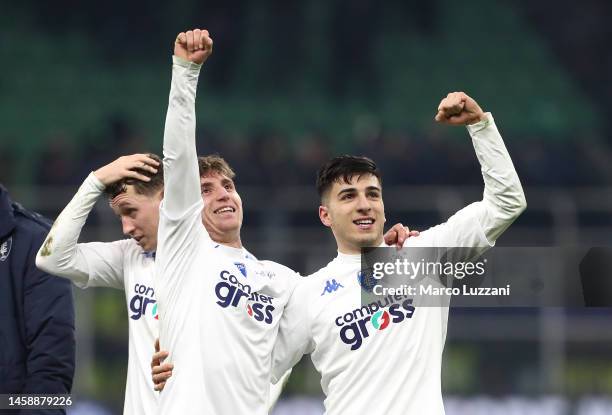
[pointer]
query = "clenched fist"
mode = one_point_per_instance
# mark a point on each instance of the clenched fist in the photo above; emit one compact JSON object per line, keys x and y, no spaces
{"x":459,"y":109}
{"x":194,"y":46}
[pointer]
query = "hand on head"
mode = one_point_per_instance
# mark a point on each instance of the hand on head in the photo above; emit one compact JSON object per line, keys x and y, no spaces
{"x":127,"y":167}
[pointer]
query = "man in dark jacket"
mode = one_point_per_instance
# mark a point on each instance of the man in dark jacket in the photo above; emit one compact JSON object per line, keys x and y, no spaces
{"x":36,"y":312}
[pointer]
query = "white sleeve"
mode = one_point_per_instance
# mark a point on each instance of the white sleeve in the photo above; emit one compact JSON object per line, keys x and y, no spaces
{"x":180,"y":222}
{"x":87,"y":265}
{"x":276,"y":389}
{"x":294,"y":334}
{"x":503,"y":198}
{"x":181,"y":174}
{"x":481,"y":223}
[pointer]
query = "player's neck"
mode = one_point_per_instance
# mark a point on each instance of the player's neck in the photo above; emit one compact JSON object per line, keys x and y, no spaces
{"x":233,"y":244}
{"x":348,"y":248}
{"x":231,"y":241}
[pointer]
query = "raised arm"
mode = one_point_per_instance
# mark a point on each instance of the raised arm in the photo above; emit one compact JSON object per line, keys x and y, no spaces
{"x":96,"y":263}
{"x":503,"y":196}
{"x":181,"y":178}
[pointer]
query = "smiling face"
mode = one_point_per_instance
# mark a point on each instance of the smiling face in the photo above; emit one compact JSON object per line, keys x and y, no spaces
{"x":222,"y":213}
{"x":355,"y":212}
{"x":139,"y":216}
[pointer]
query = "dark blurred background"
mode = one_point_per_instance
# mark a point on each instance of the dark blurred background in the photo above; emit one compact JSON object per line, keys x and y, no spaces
{"x":291,"y":84}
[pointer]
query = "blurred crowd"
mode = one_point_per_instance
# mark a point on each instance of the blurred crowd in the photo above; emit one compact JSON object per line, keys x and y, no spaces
{"x":268,"y":158}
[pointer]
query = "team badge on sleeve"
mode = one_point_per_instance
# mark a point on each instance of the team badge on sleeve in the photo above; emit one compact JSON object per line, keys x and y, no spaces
{"x":5,"y":248}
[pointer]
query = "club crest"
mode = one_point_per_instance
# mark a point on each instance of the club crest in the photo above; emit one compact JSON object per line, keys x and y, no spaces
{"x":5,"y":248}
{"x":241,"y":267}
{"x":366,"y":279}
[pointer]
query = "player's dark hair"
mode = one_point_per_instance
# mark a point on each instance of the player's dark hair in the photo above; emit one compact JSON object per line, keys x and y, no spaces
{"x":214,"y":163}
{"x":144,"y":188}
{"x":343,"y":168}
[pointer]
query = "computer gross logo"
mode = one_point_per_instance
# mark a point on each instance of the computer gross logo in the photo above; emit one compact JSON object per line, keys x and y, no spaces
{"x":380,"y":315}
{"x":230,"y":290}
{"x":139,"y":302}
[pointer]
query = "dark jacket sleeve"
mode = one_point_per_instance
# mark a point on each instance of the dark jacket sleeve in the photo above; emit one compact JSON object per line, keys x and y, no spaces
{"x":48,"y":310}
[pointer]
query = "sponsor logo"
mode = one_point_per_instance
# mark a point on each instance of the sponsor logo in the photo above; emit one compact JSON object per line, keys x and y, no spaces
{"x":331,"y":286}
{"x":230,"y":291}
{"x":357,"y":325}
{"x":5,"y":248}
{"x":140,"y":301}
{"x":380,"y":320}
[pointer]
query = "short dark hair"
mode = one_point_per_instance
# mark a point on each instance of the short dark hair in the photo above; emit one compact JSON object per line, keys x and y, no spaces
{"x":343,"y":168}
{"x":144,"y":188}
{"x":214,"y":163}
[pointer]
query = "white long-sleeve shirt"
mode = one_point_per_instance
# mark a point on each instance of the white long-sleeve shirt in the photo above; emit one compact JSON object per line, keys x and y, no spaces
{"x":219,"y":307}
{"x":391,"y":364}
{"x":122,"y":265}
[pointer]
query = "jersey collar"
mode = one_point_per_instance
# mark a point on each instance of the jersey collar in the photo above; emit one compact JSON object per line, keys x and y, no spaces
{"x":149,"y":254}
{"x":237,"y":253}
{"x":348,"y":258}
{"x":352,"y":259}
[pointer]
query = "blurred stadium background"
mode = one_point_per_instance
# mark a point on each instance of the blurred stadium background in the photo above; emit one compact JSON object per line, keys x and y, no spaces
{"x":292,"y":83}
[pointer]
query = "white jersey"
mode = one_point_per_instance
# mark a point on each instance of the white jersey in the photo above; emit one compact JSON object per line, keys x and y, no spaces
{"x":391,"y":364}
{"x":220,"y":307}
{"x":122,"y":265}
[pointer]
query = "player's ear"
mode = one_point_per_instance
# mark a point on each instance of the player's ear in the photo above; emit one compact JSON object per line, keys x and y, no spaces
{"x":324,"y":216}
